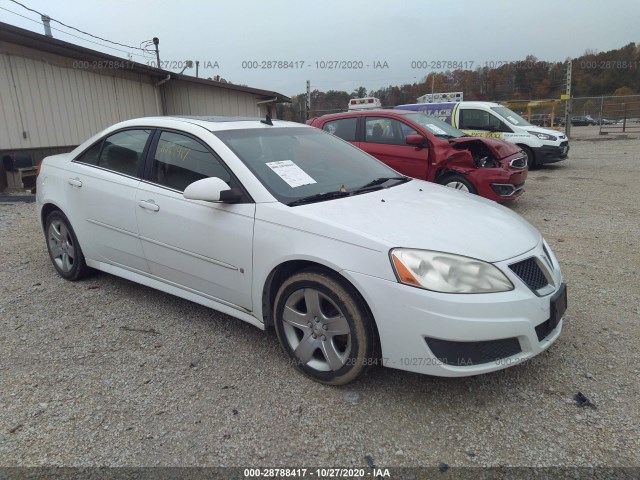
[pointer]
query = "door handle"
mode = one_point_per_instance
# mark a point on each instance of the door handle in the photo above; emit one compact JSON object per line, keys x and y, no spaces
{"x":75,"y":182}
{"x":149,"y":205}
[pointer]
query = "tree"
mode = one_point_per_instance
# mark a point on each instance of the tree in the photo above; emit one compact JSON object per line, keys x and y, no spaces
{"x":359,"y":92}
{"x":623,"y":91}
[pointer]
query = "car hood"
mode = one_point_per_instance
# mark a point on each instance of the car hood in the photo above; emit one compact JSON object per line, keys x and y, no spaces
{"x":419,"y":215}
{"x":499,"y":148}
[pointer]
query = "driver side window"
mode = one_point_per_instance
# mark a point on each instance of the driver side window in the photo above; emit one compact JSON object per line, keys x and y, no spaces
{"x":386,"y":130}
{"x":180,"y":160}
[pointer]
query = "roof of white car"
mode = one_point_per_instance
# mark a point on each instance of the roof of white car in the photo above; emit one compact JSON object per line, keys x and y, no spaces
{"x":211,"y":123}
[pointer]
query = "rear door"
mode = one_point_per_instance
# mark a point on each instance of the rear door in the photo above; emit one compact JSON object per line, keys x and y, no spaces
{"x":384,"y":138}
{"x":101,"y":192}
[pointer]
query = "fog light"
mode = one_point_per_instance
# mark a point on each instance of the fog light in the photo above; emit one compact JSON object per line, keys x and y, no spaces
{"x":503,"y":189}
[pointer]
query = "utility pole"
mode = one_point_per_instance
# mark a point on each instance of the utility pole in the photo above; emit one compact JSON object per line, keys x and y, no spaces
{"x":197,"y":65}
{"x":156,"y":41}
{"x":567,"y":115}
{"x":307,"y":104}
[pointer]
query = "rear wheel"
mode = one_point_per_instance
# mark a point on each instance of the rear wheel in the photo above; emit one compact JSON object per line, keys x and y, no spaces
{"x":64,"y":249}
{"x":324,"y":328}
{"x":531,"y":158}
{"x":457,"y":182}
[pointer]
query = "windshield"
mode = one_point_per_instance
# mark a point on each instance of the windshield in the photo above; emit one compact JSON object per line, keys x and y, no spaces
{"x":512,"y":117}
{"x":295,"y":163}
{"x":435,"y":125}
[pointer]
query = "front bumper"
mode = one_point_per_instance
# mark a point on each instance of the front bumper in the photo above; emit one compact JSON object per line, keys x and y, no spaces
{"x":551,"y":154}
{"x":454,"y":335}
{"x":499,"y":184}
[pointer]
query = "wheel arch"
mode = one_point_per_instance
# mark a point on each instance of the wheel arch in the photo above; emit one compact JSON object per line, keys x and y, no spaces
{"x":284,"y":270}
{"x":46,"y":209}
{"x":447,"y":171}
{"x":529,"y":151}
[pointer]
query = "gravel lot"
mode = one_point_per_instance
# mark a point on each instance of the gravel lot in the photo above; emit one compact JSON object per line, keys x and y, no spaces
{"x":108,"y":372}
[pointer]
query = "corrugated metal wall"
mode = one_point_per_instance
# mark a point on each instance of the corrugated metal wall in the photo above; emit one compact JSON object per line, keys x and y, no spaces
{"x":187,"y":98}
{"x":57,"y":103}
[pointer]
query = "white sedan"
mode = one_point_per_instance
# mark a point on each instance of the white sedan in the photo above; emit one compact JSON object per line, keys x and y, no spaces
{"x":283,"y":225}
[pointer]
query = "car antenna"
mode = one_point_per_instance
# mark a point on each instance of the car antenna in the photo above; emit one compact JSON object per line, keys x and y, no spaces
{"x":267,"y":121}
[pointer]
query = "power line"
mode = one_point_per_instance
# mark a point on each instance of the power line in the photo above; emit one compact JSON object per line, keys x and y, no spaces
{"x":75,"y":36}
{"x":74,"y":28}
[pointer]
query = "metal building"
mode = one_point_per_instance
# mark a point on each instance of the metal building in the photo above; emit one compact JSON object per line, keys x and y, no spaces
{"x":54,"y":95}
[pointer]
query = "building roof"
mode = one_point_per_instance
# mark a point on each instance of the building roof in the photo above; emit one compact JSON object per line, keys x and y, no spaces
{"x":36,"y":41}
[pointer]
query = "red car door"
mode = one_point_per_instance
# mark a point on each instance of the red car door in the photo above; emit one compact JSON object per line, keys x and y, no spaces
{"x":384,"y":138}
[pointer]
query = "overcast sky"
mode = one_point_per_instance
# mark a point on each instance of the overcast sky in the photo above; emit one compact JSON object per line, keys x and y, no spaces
{"x":387,"y":34}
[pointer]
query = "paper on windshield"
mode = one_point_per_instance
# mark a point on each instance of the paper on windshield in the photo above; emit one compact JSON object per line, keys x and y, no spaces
{"x":435,"y":129}
{"x":291,"y":173}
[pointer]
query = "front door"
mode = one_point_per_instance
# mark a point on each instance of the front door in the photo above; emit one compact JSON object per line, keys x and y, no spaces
{"x":384,"y":138}
{"x":203,"y":247}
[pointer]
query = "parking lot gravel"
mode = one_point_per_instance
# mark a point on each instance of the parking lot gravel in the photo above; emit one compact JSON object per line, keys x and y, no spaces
{"x":108,"y":372}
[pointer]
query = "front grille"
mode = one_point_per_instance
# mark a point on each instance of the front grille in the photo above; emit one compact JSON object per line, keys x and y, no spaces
{"x":530,"y":273}
{"x":464,"y":354}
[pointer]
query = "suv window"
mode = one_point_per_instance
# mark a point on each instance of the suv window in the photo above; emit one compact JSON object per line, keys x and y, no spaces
{"x":386,"y":130}
{"x":122,"y":152}
{"x":344,"y":128}
{"x":180,"y":160}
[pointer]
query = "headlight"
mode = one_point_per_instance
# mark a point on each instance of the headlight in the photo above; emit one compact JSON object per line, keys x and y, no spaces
{"x":486,"y":162}
{"x":543,"y":136}
{"x":447,"y":273}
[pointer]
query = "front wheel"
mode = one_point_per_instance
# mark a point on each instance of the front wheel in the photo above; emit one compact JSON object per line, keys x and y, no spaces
{"x":64,"y":249}
{"x":457,"y":182}
{"x":324,"y":328}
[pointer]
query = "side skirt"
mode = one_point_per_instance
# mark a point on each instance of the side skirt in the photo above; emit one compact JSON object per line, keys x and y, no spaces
{"x":173,"y":289}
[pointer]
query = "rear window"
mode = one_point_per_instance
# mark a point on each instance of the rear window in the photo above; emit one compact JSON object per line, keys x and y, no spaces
{"x":91,"y":156}
{"x":344,"y":128}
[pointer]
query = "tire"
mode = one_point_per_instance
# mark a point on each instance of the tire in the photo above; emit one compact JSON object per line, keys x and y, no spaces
{"x":64,"y":250}
{"x":531,"y":158}
{"x":324,"y":328}
{"x":457,"y":182}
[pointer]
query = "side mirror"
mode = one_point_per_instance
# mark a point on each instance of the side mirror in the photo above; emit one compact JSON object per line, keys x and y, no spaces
{"x":212,"y":189}
{"x":417,"y":140}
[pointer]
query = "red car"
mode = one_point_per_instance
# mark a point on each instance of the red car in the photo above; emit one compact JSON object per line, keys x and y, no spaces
{"x":422,"y":146}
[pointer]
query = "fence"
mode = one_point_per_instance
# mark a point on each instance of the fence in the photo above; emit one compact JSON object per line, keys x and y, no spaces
{"x":613,"y":114}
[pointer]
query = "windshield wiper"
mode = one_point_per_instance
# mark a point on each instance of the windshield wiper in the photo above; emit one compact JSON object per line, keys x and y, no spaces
{"x":318,"y":197}
{"x":380,"y":181}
